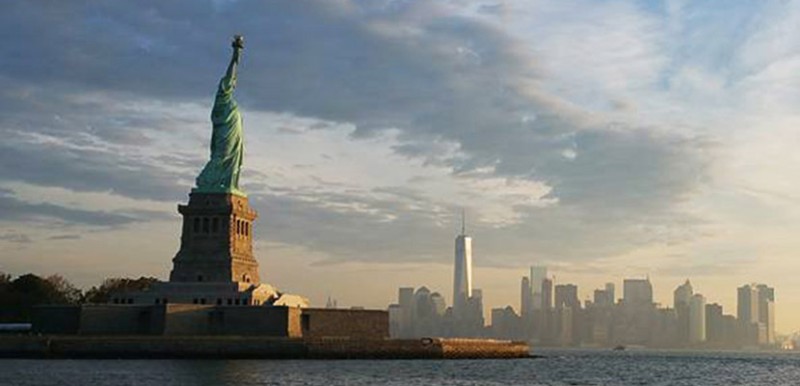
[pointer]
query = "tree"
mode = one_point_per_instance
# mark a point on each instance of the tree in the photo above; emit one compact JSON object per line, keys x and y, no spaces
{"x":18,"y":296}
{"x":5,"y":296}
{"x":103,"y":293}
{"x":29,"y":290}
{"x":66,"y":292}
{"x":5,"y":282}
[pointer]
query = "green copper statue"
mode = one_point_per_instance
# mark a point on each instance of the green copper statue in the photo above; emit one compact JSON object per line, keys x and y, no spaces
{"x":221,"y":173}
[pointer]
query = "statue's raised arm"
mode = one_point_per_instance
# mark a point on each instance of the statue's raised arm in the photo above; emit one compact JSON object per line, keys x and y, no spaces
{"x":221,"y":173}
{"x":229,"y":80}
{"x":238,"y":47}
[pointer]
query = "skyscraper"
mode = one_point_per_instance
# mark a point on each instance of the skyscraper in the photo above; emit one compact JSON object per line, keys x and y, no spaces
{"x":715,"y":323}
{"x":747,"y":304}
{"x":474,"y":314}
{"x":565,"y":316}
{"x":547,"y":294}
{"x":538,"y":274}
{"x":462,"y":280}
{"x":604,"y":297}
{"x":682,"y":294}
{"x":405,"y":296}
{"x":610,"y":293}
{"x":423,"y":308}
{"x":682,"y":297}
{"x":601,"y":298}
{"x":637,"y":292}
{"x":405,"y":302}
{"x":697,"y":319}
{"x":439,"y":304}
{"x":545,"y":320}
{"x":766,"y":310}
{"x":747,"y":311}
{"x":566,"y":296}
{"x":525,"y":298}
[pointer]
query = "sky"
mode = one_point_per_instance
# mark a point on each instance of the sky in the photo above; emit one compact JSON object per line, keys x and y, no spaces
{"x":603,"y":139}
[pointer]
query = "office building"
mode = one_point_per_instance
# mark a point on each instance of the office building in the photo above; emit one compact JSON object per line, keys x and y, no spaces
{"x":525,"y":300}
{"x":637,"y":292}
{"x":547,"y":294}
{"x":747,"y":304}
{"x":566,"y":296}
{"x":681,"y":299}
{"x":538,"y":274}
{"x":766,"y":311}
{"x":697,"y":319}
{"x":715,"y":324}
{"x":610,"y":293}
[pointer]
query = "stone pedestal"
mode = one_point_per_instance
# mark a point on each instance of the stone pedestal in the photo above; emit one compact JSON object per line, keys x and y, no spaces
{"x":215,"y":263}
{"x":217,"y":240}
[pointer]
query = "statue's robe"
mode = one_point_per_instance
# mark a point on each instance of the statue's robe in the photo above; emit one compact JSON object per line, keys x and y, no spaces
{"x":221,"y":173}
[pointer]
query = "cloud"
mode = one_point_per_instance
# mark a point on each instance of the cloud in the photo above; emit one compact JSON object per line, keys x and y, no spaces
{"x":17,"y":238}
{"x":459,"y":91}
{"x":13,"y":209}
{"x":371,"y":227}
{"x":96,"y":142}
{"x":65,"y":237}
{"x":86,"y":170}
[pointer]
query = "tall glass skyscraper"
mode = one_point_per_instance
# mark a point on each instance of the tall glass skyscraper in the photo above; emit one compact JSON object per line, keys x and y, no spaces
{"x":462,"y":280}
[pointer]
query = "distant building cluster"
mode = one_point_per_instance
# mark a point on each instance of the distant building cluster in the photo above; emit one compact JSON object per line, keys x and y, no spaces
{"x":552,"y":314}
{"x":423,"y":313}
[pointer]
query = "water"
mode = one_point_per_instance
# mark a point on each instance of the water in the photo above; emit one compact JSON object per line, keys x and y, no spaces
{"x":568,"y":367}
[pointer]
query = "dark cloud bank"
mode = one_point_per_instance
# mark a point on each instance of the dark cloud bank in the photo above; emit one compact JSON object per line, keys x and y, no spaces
{"x":436,"y":77}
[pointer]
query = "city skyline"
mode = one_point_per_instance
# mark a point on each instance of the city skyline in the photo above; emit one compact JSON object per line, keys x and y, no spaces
{"x":604,"y":141}
{"x":665,"y":297}
{"x":551,"y":314}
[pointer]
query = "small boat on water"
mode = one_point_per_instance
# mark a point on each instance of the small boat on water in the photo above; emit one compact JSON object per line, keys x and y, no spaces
{"x":619,"y":348}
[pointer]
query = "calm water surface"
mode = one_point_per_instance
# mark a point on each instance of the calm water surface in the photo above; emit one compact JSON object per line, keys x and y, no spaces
{"x":573,"y":367}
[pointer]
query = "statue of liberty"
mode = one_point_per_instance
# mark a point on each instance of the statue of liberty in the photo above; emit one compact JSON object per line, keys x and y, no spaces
{"x":221,"y":173}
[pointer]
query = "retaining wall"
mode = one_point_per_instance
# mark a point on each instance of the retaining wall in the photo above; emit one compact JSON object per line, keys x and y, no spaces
{"x":228,"y":347}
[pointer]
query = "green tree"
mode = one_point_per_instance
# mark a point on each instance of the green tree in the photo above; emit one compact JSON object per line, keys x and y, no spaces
{"x":102,"y":294}
{"x":5,"y":296}
{"x":19,"y":296}
{"x":66,"y":291}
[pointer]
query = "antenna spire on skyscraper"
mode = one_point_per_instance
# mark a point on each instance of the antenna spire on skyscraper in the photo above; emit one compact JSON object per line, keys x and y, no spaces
{"x":463,"y":222}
